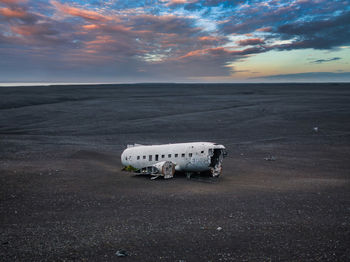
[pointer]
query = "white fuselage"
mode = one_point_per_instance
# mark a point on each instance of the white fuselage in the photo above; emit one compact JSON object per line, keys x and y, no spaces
{"x":188,"y":157}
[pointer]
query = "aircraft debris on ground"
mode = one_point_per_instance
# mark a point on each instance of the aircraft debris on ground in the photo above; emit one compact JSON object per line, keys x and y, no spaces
{"x":164,"y":160}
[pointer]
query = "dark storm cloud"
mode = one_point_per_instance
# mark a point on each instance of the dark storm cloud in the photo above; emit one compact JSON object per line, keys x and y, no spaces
{"x":317,"y":34}
{"x":279,"y":16}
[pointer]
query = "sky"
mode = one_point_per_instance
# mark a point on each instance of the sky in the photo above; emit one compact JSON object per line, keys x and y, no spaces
{"x":121,"y":41}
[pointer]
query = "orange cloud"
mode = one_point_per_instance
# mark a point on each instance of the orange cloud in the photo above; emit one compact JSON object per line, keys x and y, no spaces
{"x":198,"y":52}
{"x":29,"y":30}
{"x":101,"y":40}
{"x":74,"y":11}
{"x":264,"y":29}
{"x":13,"y":1}
{"x":90,"y":27}
{"x":15,"y":13}
{"x":24,"y":30}
{"x":208,"y":38}
{"x":203,"y":52}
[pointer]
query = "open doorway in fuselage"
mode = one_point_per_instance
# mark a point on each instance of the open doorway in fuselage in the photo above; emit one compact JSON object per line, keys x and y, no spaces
{"x":216,"y":157}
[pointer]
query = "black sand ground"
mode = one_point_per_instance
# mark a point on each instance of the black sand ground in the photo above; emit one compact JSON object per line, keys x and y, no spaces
{"x":63,"y":196}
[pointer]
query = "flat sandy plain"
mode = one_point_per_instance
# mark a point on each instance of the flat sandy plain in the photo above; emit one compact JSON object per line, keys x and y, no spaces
{"x":65,"y":198}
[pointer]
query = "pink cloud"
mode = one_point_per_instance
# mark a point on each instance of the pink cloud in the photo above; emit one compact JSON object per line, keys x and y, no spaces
{"x":265,"y":29}
{"x":13,"y":13}
{"x":251,"y":41}
{"x":79,"y":12}
{"x":209,"y":38}
{"x":199,"y":52}
{"x":29,"y":30}
{"x":179,"y":2}
{"x":13,"y":1}
{"x":101,"y":40}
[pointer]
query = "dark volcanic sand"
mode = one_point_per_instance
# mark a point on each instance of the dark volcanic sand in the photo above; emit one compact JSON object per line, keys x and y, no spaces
{"x":64,"y":196}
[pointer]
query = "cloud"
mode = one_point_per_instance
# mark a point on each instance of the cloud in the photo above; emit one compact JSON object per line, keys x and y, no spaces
{"x":252,"y":17}
{"x":200,"y":4}
{"x":16,"y":13}
{"x":319,"y":61}
{"x":13,"y":1}
{"x":171,"y":38}
{"x":213,"y":61}
{"x":90,"y":26}
{"x":251,"y":41}
{"x":264,"y":29}
{"x":224,"y":52}
{"x":309,"y":76}
{"x":79,"y":12}
{"x":179,"y":2}
{"x":318,"y":34}
{"x":166,"y":23}
{"x":37,"y":30}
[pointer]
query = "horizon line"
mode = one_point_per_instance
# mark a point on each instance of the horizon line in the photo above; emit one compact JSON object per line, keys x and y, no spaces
{"x":23,"y":84}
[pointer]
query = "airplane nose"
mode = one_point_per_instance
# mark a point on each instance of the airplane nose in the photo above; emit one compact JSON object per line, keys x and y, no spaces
{"x":122,"y":158}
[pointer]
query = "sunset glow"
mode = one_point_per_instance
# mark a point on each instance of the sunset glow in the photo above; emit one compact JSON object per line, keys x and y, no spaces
{"x":174,"y":41}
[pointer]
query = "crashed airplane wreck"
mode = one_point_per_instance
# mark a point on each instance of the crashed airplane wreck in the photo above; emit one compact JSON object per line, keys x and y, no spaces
{"x":164,"y":160}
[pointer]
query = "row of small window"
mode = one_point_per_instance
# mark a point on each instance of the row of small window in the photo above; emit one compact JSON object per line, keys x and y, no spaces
{"x":156,"y":157}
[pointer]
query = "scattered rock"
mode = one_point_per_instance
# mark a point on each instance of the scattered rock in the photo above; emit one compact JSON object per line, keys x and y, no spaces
{"x":121,"y":253}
